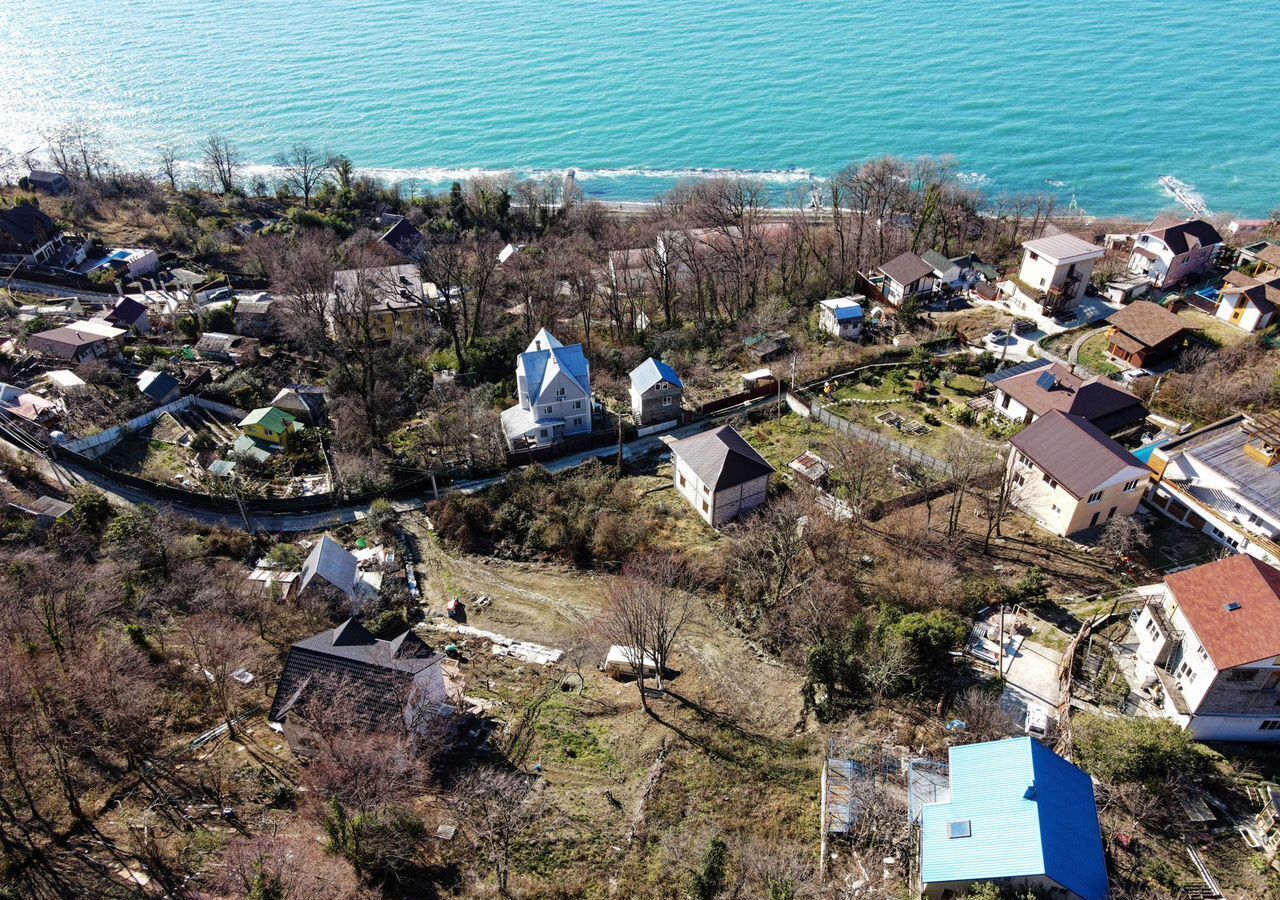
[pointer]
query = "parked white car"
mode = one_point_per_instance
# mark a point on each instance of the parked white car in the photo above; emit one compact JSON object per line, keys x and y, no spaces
{"x":1132,"y":375}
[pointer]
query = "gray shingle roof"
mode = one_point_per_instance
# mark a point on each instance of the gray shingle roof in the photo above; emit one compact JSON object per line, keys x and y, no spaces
{"x":721,"y":458}
{"x":329,"y":562}
{"x":376,"y":671}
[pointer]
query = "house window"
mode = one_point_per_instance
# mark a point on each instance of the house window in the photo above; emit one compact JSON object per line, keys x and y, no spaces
{"x":1186,"y":673}
{"x":1130,"y":485}
{"x":1004,"y":404}
{"x":681,"y":481}
{"x":1049,"y":481}
{"x":577,"y":404}
{"x":1270,"y":725}
{"x":666,"y":401}
{"x":546,"y":410}
{"x":1152,"y":629}
{"x":705,"y":507}
{"x":1095,"y":496}
{"x":960,"y":829}
{"x":560,"y":393}
{"x":1032,"y":255}
{"x":577,"y":420}
{"x":1204,"y":654}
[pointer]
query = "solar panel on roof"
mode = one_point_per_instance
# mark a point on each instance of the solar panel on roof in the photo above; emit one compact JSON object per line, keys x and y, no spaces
{"x":1046,"y":381}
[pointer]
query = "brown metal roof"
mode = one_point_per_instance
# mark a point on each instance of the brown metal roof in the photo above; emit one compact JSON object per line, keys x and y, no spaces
{"x":906,"y":268}
{"x":1232,"y":637}
{"x":1101,"y":402}
{"x":1073,"y":452}
{"x":1150,"y":324}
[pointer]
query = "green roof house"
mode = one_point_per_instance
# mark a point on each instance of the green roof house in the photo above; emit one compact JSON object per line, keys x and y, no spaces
{"x":269,"y":424}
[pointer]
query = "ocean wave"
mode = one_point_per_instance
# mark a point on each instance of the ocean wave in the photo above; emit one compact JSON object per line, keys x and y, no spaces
{"x":973,"y":178}
{"x":1184,"y":193}
{"x":1052,"y":182}
{"x":446,"y":174}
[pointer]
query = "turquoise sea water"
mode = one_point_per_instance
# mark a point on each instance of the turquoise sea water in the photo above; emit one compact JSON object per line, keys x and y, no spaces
{"x":1095,"y":99}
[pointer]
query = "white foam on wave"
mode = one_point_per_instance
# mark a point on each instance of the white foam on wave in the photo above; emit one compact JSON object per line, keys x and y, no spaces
{"x":447,"y":174}
{"x":973,"y":178}
{"x":1184,"y":193}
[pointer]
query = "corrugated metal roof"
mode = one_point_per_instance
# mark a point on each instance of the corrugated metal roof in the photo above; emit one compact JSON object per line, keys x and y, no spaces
{"x":1074,"y":453}
{"x":652,"y":371}
{"x":1029,"y":812}
{"x":1063,"y":247}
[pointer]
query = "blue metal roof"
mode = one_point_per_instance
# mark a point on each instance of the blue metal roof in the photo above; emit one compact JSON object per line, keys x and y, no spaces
{"x":570,"y":360}
{"x":848,"y":313}
{"x":1029,"y":813}
{"x":650,"y":372}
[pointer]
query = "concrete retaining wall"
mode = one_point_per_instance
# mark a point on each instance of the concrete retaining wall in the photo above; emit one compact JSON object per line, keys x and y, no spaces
{"x":96,"y":445}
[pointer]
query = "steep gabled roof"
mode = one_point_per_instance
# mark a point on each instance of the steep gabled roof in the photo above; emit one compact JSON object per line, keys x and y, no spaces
{"x":157,"y":384}
{"x":1231,"y":637}
{"x":1073,"y":452}
{"x":126,"y":312}
{"x":651,"y":372}
{"x":1187,"y":235}
{"x":1021,"y":811}
{"x":939,"y":262}
{"x":546,"y":358}
{"x":329,"y":561}
{"x":27,"y":226}
{"x":721,"y":458}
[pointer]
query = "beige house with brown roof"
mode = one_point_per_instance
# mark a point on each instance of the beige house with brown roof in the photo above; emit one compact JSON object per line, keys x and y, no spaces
{"x":1071,"y":477}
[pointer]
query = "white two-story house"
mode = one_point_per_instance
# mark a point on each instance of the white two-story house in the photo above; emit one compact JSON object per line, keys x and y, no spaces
{"x":1224,"y":480}
{"x":1209,"y":649}
{"x":553,"y":385}
{"x":1054,"y":274}
{"x":1173,"y":253}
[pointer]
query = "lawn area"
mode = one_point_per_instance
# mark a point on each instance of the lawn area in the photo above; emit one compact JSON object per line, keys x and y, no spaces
{"x":1211,"y":328}
{"x":153,"y":460}
{"x":1060,"y":344}
{"x":944,"y":403}
{"x":782,"y":440}
{"x":1093,"y":355}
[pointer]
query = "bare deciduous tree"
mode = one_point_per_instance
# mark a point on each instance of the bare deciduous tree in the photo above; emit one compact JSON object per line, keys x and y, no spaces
{"x":500,"y":806}
{"x":645,"y":609}
{"x":168,"y":163}
{"x":304,"y":169}
{"x":221,"y":162}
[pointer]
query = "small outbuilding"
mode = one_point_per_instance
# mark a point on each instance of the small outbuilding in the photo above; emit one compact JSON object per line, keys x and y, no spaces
{"x":159,"y":386}
{"x":842,"y":317}
{"x":1144,"y":333}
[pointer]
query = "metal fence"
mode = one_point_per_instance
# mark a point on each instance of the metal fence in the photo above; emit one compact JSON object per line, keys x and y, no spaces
{"x":830,"y":419}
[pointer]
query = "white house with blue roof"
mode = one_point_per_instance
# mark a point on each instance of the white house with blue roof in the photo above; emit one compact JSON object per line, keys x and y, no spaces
{"x":842,"y":317}
{"x":656,"y":391}
{"x":1017,"y":815}
{"x":553,"y":384}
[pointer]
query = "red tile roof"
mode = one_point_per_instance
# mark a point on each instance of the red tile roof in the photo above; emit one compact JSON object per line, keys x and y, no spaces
{"x":1232,"y":637}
